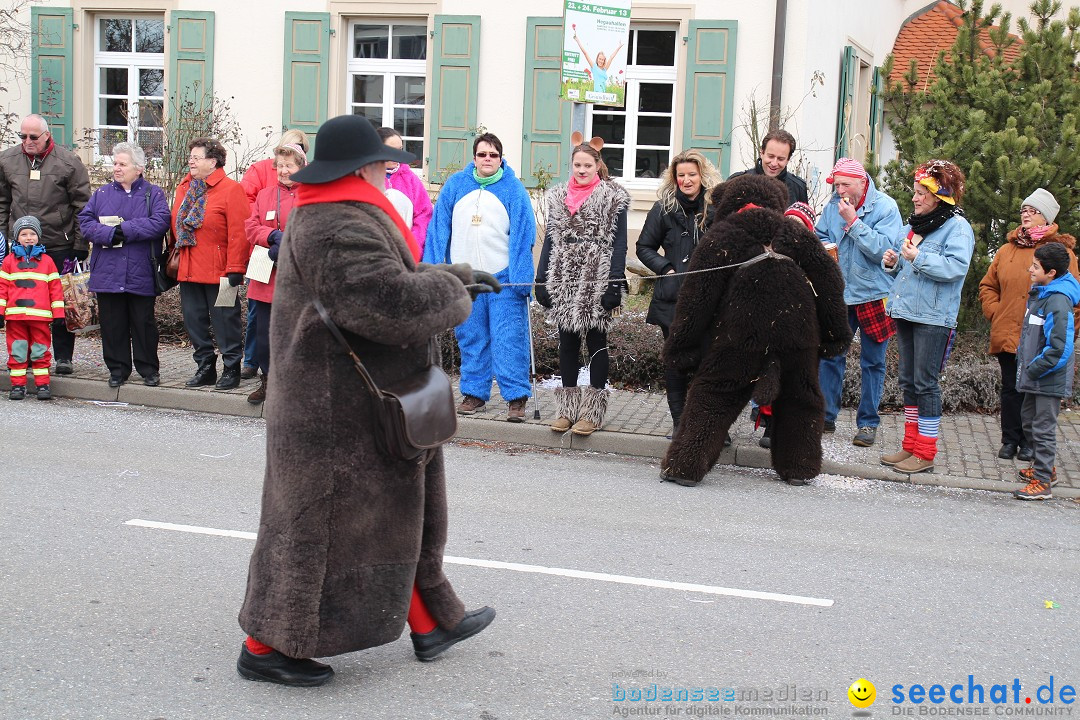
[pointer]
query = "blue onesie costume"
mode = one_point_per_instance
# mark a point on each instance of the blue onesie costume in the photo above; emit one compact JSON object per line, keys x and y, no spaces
{"x":492,"y":228}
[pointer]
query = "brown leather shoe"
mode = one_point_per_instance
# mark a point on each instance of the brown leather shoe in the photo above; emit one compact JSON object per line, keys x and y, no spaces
{"x":259,"y":395}
{"x":896,"y":457}
{"x":248,"y":372}
{"x":469,"y":405}
{"x":516,"y":413}
{"x":913,"y":464}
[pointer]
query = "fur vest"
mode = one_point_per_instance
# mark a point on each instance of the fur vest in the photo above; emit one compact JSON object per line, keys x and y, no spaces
{"x":582,"y":253}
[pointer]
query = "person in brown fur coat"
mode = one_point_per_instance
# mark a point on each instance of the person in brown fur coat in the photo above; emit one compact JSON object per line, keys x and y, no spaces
{"x":755,"y":331}
{"x":350,"y":540}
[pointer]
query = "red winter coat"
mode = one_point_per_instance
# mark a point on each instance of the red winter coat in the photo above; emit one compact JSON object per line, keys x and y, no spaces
{"x":221,"y":244}
{"x":279,"y":200}
{"x":38,"y":296}
{"x":258,"y":176}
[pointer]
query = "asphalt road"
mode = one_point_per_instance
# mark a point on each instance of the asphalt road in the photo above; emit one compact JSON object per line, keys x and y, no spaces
{"x":606,"y":582}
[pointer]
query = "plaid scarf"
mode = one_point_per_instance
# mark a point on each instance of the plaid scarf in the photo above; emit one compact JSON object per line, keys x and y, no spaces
{"x":191,"y":214}
{"x":873,"y":321}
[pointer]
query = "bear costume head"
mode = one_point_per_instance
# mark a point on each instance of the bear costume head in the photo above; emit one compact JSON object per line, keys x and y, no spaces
{"x":761,"y":190}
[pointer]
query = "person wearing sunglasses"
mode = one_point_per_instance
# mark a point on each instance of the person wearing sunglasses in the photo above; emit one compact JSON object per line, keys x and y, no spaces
{"x":39,"y":177}
{"x":484,"y":217}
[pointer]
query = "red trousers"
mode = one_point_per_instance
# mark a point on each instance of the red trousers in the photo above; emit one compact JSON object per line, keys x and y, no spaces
{"x":28,"y":347}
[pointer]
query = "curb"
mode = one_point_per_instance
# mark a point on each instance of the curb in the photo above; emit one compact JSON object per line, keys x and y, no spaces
{"x":526,"y":433}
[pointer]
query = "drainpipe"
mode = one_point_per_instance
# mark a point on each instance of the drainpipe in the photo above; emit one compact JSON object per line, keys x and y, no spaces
{"x":779,"y":36}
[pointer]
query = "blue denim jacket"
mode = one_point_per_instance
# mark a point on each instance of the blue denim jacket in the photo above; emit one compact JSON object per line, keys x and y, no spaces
{"x":927,"y":290}
{"x":876,"y":229}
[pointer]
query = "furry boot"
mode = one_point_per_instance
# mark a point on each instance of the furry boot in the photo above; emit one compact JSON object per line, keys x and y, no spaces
{"x":593,"y":409}
{"x":567,"y":406}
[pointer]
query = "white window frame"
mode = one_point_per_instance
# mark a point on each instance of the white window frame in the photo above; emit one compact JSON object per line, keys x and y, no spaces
{"x":635,"y":75}
{"x":390,"y":69}
{"x":132,"y":62}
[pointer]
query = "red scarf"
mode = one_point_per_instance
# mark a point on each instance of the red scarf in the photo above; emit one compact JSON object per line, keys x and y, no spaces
{"x":577,"y":194}
{"x":42,"y":156}
{"x":354,"y":189}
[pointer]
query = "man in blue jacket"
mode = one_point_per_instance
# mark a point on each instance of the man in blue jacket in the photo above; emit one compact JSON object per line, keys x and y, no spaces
{"x":863,"y":223}
{"x":484,"y":217}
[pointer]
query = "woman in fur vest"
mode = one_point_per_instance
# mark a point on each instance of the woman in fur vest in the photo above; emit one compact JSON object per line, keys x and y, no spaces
{"x":1003,"y":292}
{"x":580,"y":280}
{"x":351,"y":539}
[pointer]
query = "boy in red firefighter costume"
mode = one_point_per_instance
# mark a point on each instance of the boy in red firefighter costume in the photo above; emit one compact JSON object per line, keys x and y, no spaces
{"x":30,"y":298}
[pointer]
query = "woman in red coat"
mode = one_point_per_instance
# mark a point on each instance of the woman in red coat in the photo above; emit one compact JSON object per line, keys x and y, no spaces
{"x":208,"y":223}
{"x":265,"y":228}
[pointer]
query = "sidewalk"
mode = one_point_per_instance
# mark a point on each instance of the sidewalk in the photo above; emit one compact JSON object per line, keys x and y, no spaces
{"x":637,"y":424}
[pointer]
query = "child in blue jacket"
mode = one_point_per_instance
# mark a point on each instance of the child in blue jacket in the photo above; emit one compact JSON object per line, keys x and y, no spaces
{"x":1044,"y":361}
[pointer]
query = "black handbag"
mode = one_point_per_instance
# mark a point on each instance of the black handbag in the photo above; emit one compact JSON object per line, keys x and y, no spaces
{"x":413,"y":415}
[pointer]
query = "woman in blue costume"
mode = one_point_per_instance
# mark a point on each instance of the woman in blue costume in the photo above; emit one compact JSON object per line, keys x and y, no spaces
{"x":484,"y":217}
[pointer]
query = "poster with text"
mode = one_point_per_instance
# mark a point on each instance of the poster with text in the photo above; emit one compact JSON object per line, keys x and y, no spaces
{"x":594,"y":51}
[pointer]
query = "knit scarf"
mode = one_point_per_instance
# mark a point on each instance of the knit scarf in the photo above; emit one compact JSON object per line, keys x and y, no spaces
{"x":191,"y":214}
{"x":353,"y":189}
{"x":931,"y":221}
{"x":489,"y":180}
{"x":1030,"y":237}
{"x":577,"y":194}
{"x":690,"y":207}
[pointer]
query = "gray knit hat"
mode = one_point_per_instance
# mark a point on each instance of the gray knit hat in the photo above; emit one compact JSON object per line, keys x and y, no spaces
{"x":1045,"y":203}
{"x":26,"y":221}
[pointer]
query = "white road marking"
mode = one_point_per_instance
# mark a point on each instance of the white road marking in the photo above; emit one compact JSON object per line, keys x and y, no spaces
{"x":540,"y":570}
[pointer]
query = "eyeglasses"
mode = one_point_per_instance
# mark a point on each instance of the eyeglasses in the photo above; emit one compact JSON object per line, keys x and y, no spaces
{"x":1028,"y":210}
{"x":492,"y":155}
{"x":24,"y":136}
{"x":196,"y":157}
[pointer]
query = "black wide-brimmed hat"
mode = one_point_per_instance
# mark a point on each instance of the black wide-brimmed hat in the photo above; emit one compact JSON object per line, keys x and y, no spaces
{"x":344,"y":144}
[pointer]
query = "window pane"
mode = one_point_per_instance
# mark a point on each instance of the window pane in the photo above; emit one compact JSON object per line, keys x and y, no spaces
{"x":150,"y":141}
{"x":613,"y":158}
{"x":409,"y":90}
{"x":151,"y":82}
{"x":367,"y":88}
{"x":150,"y":36}
{"x":654,"y":130}
{"x":656,"y":97}
{"x":115,"y":35}
{"x":650,"y":163}
{"x":630,"y":48}
{"x":416,"y":147}
{"x":113,"y":112}
{"x":371,"y":41}
{"x":655,"y":47}
{"x":610,"y":127}
{"x":114,"y":81}
{"x":409,"y":121}
{"x":150,"y":113}
{"x":374,"y":114}
{"x":108,"y":137}
{"x":410,"y":42}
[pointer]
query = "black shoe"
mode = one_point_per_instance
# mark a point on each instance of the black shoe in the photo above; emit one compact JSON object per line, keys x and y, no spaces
{"x":685,"y":482}
{"x":429,"y":645}
{"x":766,"y":437}
{"x":1025,"y":454}
{"x":115,"y":382}
{"x":797,"y":482}
{"x":152,"y":380}
{"x":830,"y":426}
{"x":43,"y":392}
{"x":64,"y":367}
{"x":230,"y":378}
{"x":205,"y":375}
{"x":282,"y":669}
{"x":1007,"y":451}
{"x":727,"y":440}
{"x":248,"y":372}
{"x":18,"y":392}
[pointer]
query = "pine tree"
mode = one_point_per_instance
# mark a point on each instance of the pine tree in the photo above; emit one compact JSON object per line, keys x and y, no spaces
{"x":1010,"y":125}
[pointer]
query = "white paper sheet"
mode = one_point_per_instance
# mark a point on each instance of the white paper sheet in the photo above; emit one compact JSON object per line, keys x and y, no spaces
{"x":226,"y":293}
{"x":260,"y":265}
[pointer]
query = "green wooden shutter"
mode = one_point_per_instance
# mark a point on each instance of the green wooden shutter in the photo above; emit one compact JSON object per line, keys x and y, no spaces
{"x":454,"y":76}
{"x":710,"y":89}
{"x":191,"y":58}
{"x":307,"y":59}
{"x":546,"y":123}
{"x":877,"y":112}
{"x":52,"y":31}
{"x":848,"y":71}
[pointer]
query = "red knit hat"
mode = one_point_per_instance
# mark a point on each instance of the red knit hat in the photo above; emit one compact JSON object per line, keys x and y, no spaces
{"x":803,"y":212}
{"x":847,"y":167}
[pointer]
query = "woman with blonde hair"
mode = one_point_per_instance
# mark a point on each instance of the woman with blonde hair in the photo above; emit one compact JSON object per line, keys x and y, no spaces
{"x":674,"y":225}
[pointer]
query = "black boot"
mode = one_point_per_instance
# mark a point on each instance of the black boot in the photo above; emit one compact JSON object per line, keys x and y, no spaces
{"x":766,"y":437}
{"x":676,"y":397}
{"x":230,"y":378}
{"x":429,"y":645}
{"x":205,"y":375}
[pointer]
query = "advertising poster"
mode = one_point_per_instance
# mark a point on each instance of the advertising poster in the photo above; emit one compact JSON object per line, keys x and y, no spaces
{"x":594,"y":51}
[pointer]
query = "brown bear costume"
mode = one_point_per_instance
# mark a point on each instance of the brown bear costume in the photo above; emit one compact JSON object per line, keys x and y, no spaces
{"x":755,"y":331}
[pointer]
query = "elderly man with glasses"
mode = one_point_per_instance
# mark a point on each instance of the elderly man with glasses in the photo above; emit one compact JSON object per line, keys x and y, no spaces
{"x":484,"y":217}
{"x":40,"y":178}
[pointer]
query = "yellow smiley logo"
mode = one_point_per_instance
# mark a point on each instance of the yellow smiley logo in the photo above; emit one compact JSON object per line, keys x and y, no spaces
{"x":862,"y":693}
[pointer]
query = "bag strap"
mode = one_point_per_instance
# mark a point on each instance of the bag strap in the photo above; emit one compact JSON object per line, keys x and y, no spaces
{"x":371,"y":386}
